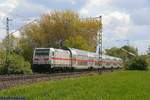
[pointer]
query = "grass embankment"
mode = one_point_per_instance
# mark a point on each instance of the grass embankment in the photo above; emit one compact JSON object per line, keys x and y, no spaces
{"x":125,"y":85}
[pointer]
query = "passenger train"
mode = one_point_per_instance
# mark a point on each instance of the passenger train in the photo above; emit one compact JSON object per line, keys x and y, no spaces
{"x":50,"y":59}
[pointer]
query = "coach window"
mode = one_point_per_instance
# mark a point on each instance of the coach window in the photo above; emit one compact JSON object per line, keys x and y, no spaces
{"x":53,"y":53}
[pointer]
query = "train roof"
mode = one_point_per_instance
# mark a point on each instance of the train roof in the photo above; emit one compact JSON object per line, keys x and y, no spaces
{"x":42,"y":48}
{"x":111,"y":57}
{"x":78,"y":52}
{"x":91,"y":54}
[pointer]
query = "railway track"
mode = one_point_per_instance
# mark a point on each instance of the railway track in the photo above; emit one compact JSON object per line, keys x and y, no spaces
{"x":8,"y":81}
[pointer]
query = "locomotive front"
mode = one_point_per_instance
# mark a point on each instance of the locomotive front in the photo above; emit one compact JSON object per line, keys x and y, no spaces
{"x":41,"y":60}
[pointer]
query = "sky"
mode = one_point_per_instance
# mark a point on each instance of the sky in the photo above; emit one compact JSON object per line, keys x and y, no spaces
{"x":124,"y":21}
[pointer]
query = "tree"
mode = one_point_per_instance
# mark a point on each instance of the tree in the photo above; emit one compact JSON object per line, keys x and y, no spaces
{"x":148,"y":51}
{"x":2,"y":60}
{"x":12,"y":44}
{"x":57,"y":27}
{"x":118,"y":52}
{"x":130,"y":49}
{"x":77,"y":42}
{"x":137,"y":63}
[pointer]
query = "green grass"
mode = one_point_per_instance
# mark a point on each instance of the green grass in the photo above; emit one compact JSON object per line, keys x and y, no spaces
{"x":124,"y":85}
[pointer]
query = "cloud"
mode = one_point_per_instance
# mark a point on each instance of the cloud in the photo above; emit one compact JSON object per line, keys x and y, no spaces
{"x":17,"y":34}
{"x":73,"y":2}
{"x":69,"y":1}
{"x":141,"y":16}
{"x":2,"y":33}
{"x":122,"y":20}
{"x":5,"y":8}
{"x":130,"y":4}
{"x":115,"y":24}
{"x":141,"y":43}
{"x":97,"y":7}
{"x":28,"y":9}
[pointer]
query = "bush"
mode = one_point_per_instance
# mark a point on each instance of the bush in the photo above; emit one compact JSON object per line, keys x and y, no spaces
{"x":1,"y":69}
{"x":137,"y":63}
{"x":2,"y":61}
{"x":17,"y":64}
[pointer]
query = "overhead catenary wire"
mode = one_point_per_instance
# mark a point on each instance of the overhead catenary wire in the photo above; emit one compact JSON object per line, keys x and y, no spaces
{"x":23,"y":26}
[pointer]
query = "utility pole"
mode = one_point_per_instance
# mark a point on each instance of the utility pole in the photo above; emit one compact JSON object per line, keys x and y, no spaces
{"x":100,"y":41}
{"x":7,"y":45}
{"x":128,"y":42}
{"x":148,"y":51}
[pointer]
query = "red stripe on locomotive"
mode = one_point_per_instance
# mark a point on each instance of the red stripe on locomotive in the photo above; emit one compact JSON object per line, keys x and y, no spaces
{"x":80,"y":60}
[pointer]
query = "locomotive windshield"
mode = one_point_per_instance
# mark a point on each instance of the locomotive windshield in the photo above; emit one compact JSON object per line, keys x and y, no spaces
{"x":41,"y":52}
